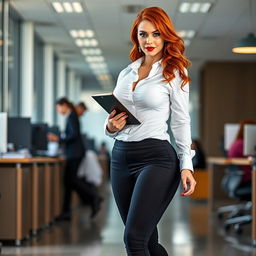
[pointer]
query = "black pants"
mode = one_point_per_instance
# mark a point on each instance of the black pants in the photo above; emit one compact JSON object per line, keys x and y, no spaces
{"x":86,"y":191}
{"x":70,"y":177}
{"x":145,"y":176}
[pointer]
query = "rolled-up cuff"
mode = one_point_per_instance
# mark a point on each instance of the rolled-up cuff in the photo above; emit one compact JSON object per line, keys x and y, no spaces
{"x":186,"y":162}
{"x":112,"y":135}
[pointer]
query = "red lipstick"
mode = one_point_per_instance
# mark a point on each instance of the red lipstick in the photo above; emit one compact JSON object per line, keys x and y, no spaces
{"x":150,"y":48}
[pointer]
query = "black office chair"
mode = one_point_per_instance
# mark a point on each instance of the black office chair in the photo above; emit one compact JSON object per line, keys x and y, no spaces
{"x":238,"y":214}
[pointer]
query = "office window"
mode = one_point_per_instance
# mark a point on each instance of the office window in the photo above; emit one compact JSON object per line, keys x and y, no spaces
{"x":38,"y":79}
{"x":14,"y":63}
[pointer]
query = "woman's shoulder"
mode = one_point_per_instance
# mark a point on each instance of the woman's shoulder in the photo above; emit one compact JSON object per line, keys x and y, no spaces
{"x":175,"y":83}
{"x":133,"y":65}
{"x":125,"y":71}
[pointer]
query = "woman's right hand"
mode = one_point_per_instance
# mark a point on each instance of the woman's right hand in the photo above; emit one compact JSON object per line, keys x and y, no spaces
{"x":116,"y":123}
{"x":52,"y":137}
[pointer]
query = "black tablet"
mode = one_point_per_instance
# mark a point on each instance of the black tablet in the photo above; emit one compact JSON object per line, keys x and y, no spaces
{"x":109,"y":102}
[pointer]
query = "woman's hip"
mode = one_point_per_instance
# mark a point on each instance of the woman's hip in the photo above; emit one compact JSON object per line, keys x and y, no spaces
{"x":143,"y":153}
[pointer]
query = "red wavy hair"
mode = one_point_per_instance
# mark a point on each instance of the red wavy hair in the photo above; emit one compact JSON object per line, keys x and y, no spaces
{"x":173,"y":51}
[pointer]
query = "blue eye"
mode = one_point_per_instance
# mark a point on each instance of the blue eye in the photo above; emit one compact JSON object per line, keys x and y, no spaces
{"x":156,"y":34}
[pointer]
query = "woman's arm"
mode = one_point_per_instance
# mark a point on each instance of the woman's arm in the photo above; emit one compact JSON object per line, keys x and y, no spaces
{"x":180,"y":126}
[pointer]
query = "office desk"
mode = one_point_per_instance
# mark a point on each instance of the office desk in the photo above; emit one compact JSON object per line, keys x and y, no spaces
{"x":30,"y":191}
{"x":215,"y":176}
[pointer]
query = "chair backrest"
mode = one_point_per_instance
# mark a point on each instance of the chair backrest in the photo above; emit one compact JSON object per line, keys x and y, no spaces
{"x":231,"y":180}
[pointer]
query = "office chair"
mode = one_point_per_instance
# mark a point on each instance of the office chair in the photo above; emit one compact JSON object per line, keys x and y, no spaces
{"x":237,"y":215}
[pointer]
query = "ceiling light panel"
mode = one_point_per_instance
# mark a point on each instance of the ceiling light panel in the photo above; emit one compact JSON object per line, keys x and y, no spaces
{"x":196,"y":7}
{"x":86,"y":42}
{"x":58,"y":7}
{"x":77,"y":7}
{"x":186,"y":33}
{"x":94,"y":59}
{"x":82,"y":33}
{"x":91,"y":51}
{"x":67,"y":7}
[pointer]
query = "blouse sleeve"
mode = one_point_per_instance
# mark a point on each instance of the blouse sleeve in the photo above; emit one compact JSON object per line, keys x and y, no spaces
{"x":180,"y":123}
{"x":113,"y":135}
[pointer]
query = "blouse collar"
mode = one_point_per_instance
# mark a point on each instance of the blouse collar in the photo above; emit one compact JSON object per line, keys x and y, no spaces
{"x":137,"y":63}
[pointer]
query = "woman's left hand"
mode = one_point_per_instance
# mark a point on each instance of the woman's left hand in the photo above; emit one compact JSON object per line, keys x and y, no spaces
{"x":188,"y":182}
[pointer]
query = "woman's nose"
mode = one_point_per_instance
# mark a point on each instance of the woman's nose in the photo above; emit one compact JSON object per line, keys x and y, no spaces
{"x":149,"y":39}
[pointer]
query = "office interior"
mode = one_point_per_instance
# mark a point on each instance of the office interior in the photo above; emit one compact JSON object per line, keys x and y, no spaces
{"x":75,"y":49}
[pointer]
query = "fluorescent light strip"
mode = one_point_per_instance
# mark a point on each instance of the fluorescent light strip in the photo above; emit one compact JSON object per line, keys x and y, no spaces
{"x":186,"y":33}
{"x":94,"y":59}
{"x":184,"y":7}
{"x":89,"y":33}
{"x":91,"y":51}
{"x":77,"y":7}
{"x":79,"y":42}
{"x":94,"y":42}
{"x":98,"y":65}
{"x":68,"y":7}
{"x":86,"y":42}
{"x":205,"y":7}
{"x":194,"y":7}
{"x":57,"y":7}
{"x":73,"y":33}
{"x":82,"y":33}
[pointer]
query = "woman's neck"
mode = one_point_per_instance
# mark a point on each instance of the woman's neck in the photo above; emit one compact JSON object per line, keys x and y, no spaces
{"x":149,"y":61}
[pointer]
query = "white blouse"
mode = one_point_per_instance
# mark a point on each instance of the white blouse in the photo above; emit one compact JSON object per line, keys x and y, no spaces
{"x":152,"y":102}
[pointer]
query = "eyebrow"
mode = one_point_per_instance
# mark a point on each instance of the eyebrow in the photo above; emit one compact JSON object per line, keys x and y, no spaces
{"x":147,"y":32}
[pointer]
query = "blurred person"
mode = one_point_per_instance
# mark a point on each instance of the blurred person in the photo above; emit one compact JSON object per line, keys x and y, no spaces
{"x":236,"y":150}
{"x":104,"y":156}
{"x":199,"y":158}
{"x":74,"y":152}
{"x":81,"y":108}
{"x":145,"y":168}
{"x":89,"y":172}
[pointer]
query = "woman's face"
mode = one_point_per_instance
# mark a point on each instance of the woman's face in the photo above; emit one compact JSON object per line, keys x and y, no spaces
{"x":150,"y":40}
{"x":62,"y":109}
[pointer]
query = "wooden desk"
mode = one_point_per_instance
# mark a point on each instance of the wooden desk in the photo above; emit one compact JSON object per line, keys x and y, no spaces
{"x":213,"y":163}
{"x":30,"y":195}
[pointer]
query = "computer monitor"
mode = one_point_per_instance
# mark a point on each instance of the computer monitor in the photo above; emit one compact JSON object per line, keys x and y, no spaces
{"x":230,"y":133}
{"x":249,"y":139}
{"x":39,"y":136}
{"x":3,"y":133}
{"x":19,"y":132}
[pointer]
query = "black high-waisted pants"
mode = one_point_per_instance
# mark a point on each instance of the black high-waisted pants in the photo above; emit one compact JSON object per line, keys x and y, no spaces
{"x":145,"y":176}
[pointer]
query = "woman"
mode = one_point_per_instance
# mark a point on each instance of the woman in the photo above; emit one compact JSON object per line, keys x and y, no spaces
{"x":236,"y":150}
{"x":74,"y":152}
{"x":145,"y":171}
